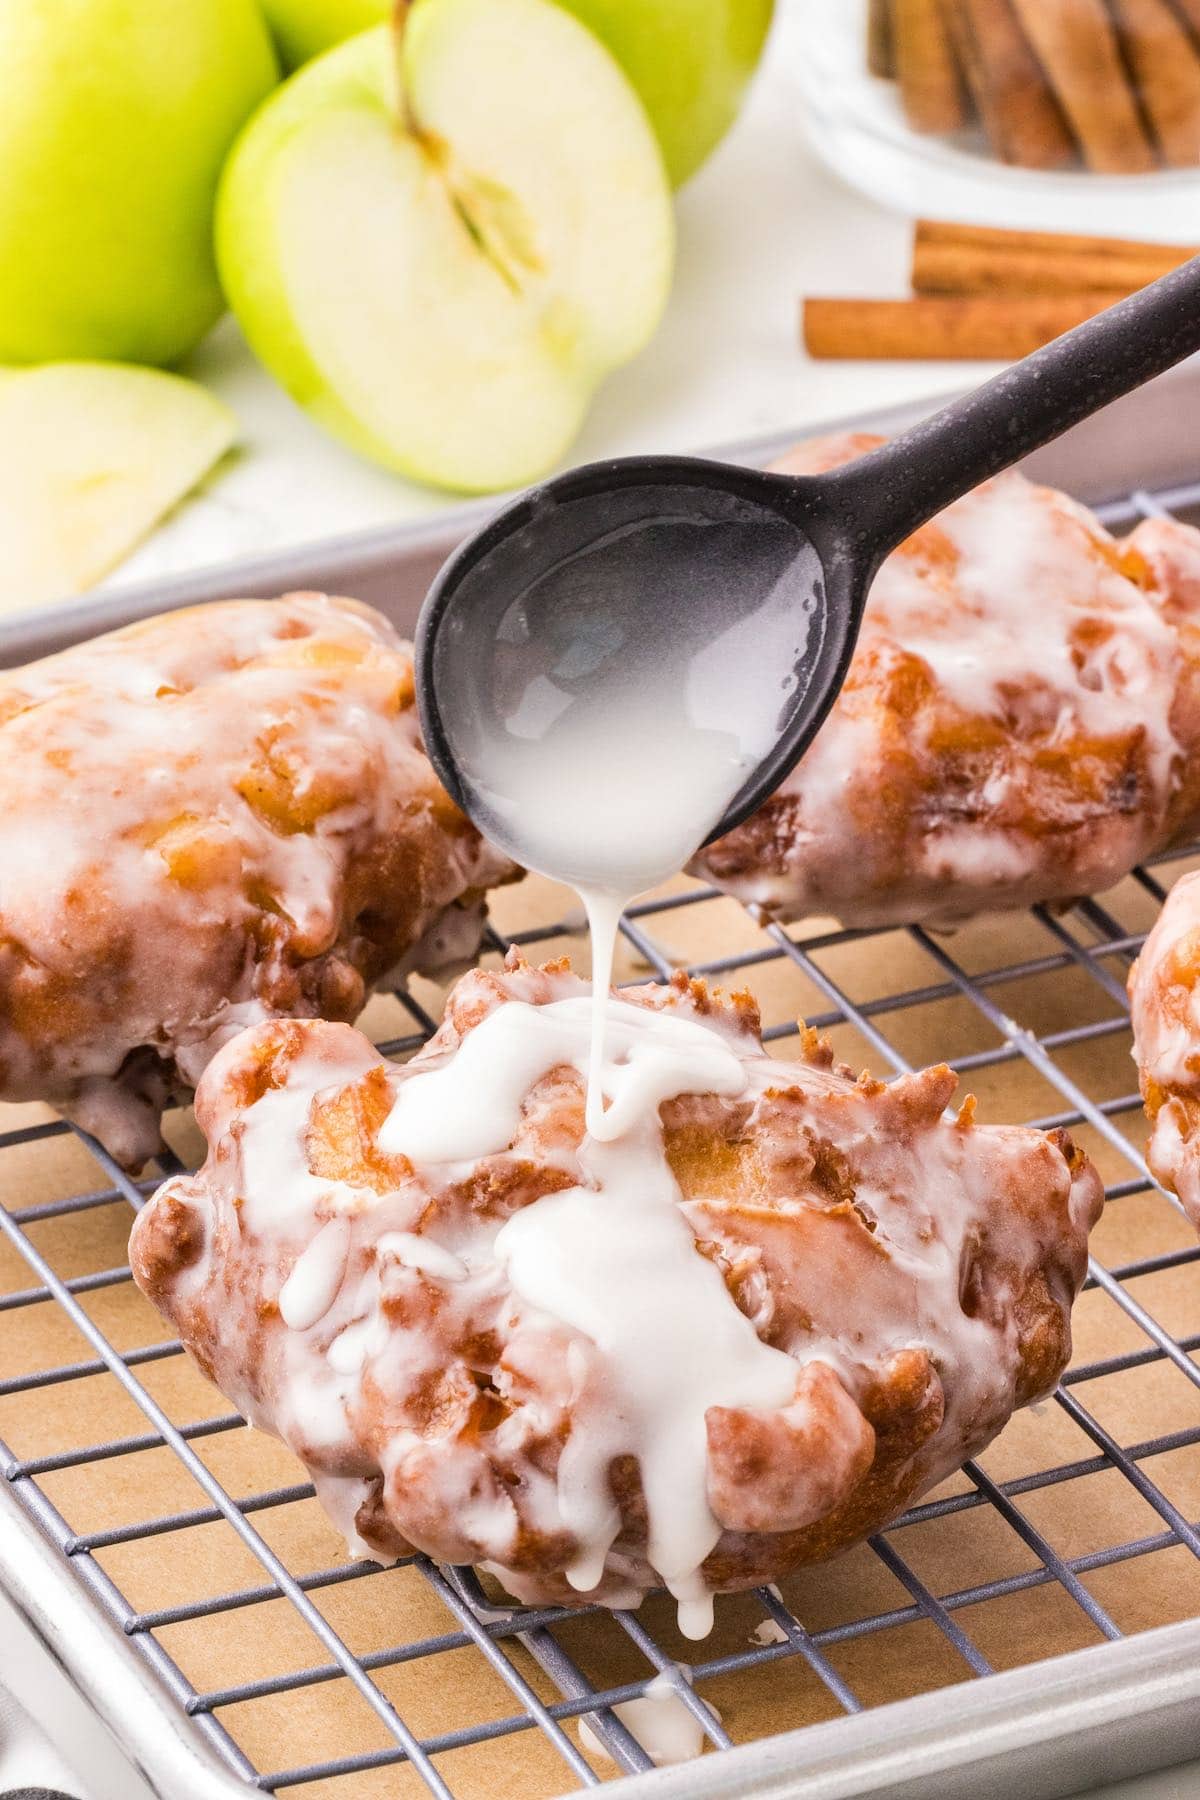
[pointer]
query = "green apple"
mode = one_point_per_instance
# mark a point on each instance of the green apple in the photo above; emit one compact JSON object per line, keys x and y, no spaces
{"x":116,"y":118}
{"x":440,"y":240}
{"x":690,"y":60}
{"x":91,"y":456}
{"x":302,"y":29}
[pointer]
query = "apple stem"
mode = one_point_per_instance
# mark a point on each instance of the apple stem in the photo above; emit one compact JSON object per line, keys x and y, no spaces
{"x":401,"y":102}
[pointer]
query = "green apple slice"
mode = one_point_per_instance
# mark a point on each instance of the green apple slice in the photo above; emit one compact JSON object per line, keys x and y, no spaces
{"x":441,"y":256}
{"x":91,"y":456}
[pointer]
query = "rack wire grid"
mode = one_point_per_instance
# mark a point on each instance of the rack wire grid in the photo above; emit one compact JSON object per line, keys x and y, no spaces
{"x":1078,"y":1525}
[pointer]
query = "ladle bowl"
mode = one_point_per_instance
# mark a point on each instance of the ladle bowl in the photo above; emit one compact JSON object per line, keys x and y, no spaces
{"x":591,"y":578}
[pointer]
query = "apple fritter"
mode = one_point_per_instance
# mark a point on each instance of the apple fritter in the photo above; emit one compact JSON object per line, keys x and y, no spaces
{"x":212,"y":818}
{"x":908,"y":1277}
{"x":1164,"y":989}
{"x":1020,"y":723}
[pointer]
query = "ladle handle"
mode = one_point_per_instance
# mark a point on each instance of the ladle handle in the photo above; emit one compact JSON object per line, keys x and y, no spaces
{"x":891,"y":491}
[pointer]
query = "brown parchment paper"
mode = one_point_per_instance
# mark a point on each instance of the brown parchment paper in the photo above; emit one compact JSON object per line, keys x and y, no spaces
{"x":394,"y":1612}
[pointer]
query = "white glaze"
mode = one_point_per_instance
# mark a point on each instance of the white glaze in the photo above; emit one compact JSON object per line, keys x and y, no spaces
{"x":603,"y":913}
{"x":422,"y":1253}
{"x":612,"y":737}
{"x":281,"y":1192}
{"x":311,"y":1288}
{"x":665,"y":1728}
{"x":470,"y":1106}
{"x":1026,"y":575}
{"x":614,"y":1259}
{"x":617,"y":798}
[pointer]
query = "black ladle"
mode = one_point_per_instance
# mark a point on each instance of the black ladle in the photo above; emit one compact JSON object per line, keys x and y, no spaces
{"x":674,"y":544}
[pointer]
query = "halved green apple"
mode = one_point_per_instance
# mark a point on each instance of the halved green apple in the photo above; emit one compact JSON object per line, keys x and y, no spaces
{"x":91,"y":456}
{"x":440,"y":238}
{"x":690,"y":60}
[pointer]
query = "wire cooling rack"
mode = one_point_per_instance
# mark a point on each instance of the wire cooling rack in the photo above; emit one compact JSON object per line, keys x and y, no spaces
{"x":1080,"y":1525}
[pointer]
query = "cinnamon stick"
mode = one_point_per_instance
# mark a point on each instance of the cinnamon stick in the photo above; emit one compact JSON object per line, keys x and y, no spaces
{"x":1022,"y":118}
{"x":1189,"y":12}
{"x":930,"y":88}
{"x":939,"y":327}
{"x":1166,"y":71}
{"x":881,"y":58}
{"x":1076,"y":43}
{"x":970,"y":259}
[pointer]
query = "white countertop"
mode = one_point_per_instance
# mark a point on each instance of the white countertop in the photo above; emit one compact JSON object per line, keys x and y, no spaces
{"x":762,"y":224}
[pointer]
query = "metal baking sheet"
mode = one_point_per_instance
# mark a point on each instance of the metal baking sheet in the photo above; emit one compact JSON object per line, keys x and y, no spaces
{"x":1044,"y":1730}
{"x":391,"y":567}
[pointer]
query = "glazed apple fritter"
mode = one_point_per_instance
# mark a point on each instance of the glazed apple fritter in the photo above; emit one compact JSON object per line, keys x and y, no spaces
{"x":1020,"y":723}
{"x":919,"y":1273}
{"x":1164,"y":989}
{"x":216,"y":817}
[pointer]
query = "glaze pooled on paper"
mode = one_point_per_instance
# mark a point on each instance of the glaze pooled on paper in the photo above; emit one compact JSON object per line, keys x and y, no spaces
{"x":212,"y":818}
{"x":660,"y":1721}
{"x":467,"y":1278}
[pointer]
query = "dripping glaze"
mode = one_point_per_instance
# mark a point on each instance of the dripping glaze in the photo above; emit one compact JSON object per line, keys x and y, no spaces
{"x":604,"y":721}
{"x":611,"y":786}
{"x":614,"y":1259}
{"x":605,"y":741}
